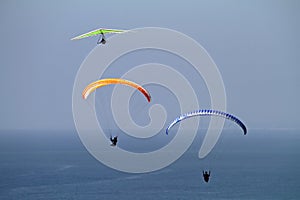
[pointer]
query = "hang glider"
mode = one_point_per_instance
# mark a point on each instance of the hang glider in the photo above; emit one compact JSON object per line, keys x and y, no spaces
{"x":97,"y":32}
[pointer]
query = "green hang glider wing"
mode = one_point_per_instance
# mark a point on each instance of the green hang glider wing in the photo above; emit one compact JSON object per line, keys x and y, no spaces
{"x":97,"y":32}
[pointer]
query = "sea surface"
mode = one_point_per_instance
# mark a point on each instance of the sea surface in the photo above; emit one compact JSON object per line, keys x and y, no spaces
{"x":265,"y":164}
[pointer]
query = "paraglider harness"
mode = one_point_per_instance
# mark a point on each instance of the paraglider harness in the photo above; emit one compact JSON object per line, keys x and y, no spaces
{"x":114,"y":140}
{"x":206,"y":176}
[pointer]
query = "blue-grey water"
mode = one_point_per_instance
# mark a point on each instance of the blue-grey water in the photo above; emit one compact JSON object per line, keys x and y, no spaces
{"x":265,"y":164}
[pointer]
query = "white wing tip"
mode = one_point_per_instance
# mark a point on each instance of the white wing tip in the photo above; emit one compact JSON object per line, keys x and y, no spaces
{"x":74,"y":38}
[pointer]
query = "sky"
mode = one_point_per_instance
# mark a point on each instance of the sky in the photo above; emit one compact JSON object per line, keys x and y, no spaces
{"x":255,"y":45}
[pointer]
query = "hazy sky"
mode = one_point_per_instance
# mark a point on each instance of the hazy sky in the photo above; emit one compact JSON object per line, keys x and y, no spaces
{"x":255,"y":45}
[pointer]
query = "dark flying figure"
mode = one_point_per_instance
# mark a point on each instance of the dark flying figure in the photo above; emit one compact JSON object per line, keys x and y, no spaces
{"x":206,"y":176}
{"x":101,"y":39}
{"x":114,"y":140}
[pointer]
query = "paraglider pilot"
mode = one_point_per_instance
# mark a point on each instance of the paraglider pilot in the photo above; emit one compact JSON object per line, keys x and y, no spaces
{"x":206,"y":175}
{"x":114,"y":140}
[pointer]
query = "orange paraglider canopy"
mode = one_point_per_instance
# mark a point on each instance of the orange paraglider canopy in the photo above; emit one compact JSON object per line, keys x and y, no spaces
{"x":103,"y":82}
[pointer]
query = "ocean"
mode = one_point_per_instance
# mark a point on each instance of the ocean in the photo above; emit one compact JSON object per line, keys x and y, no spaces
{"x":264,"y":164}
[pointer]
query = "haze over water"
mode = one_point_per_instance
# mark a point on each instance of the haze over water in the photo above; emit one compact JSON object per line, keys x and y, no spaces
{"x":55,"y":165}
